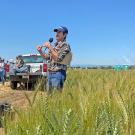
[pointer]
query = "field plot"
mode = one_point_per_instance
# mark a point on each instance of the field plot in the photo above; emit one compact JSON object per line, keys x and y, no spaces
{"x":93,"y":102}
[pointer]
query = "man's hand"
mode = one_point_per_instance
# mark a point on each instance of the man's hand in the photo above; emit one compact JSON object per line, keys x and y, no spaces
{"x":39,"y":48}
{"x":45,"y":56}
{"x":48,"y":45}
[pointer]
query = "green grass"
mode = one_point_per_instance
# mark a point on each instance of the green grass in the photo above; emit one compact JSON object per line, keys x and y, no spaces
{"x":93,"y":102}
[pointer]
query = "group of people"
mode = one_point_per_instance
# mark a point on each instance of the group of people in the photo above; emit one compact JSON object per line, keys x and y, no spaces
{"x":17,"y":67}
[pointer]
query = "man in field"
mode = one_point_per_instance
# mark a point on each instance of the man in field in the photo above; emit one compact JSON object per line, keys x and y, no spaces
{"x":58,"y":58}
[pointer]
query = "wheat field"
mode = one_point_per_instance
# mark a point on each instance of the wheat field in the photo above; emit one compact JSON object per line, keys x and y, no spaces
{"x":93,"y":102}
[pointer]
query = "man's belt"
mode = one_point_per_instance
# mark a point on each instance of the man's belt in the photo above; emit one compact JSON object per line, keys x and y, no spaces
{"x":58,"y":64}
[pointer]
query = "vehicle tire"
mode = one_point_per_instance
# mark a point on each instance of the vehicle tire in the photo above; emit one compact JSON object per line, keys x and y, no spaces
{"x":13,"y":85}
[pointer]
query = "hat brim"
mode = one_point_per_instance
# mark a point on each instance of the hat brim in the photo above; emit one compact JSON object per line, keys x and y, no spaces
{"x":60,"y":30}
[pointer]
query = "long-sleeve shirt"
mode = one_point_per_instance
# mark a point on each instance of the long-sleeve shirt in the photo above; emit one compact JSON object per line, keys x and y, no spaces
{"x":63,"y":48}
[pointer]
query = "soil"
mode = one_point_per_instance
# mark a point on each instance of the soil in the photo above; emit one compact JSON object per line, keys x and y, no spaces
{"x":14,"y":97}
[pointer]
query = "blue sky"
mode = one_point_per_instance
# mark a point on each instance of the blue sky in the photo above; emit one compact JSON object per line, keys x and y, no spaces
{"x":100,"y":31}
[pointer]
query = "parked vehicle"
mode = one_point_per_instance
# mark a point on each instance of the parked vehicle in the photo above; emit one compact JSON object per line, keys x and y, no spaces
{"x":37,"y":69}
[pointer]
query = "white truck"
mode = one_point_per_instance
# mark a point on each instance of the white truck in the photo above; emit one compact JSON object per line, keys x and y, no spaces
{"x":37,"y":69}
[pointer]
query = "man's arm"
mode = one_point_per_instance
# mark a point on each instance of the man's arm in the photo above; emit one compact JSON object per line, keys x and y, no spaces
{"x":58,"y":56}
{"x":63,"y":52}
{"x":53,"y":51}
{"x":44,"y":55}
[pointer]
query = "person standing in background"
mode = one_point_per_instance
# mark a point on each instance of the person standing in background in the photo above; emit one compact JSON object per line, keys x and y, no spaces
{"x":2,"y":71}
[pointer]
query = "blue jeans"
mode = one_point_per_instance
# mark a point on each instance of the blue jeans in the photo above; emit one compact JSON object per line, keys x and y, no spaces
{"x":2,"y":75}
{"x":56,"y":80}
{"x":23,"y":69}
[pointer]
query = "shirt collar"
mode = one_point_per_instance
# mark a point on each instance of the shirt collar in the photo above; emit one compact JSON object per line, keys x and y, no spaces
{"x":59,"y":43}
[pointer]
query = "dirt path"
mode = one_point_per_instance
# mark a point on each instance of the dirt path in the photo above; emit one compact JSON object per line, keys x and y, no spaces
{"x":14,"y":97}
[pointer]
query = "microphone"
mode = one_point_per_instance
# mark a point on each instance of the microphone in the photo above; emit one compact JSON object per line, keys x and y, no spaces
{"x":50,"y":40}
